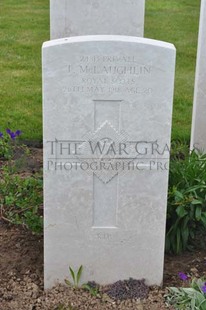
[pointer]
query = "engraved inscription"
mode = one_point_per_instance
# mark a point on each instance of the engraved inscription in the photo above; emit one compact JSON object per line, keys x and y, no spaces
{"x":106,"y":74}
{"x":104,"y":236}
{"x":102,"y":90}
{"x":109,"y":69}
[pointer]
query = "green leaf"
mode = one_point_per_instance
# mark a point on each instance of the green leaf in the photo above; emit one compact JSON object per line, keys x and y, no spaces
{"x":86,"y":286}
{"x":79,"y":273}
{"x":193,"y":303}
{"x":67,"y":282}
{"x":203,"y":219}
{"x":202,"y":305}
{"x":181,"y":212}
{"x":196,"y":202}
{"x":178,"y":196}
{"x":200,"y":298}
{"x":198,"y":213}
{"x":178,"y":241}
{"x":174,"y":289}
{"x":185,"y":236}
{"x":72,"y":274}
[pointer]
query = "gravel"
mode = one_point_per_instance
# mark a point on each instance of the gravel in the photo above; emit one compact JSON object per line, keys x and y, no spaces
{"x":128,"y":289}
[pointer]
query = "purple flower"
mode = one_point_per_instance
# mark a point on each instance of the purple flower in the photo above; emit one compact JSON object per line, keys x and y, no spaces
{"x":183,"y":276}
{"x":18,"y":133}
{"x":1,"y":135}
{"x":12,"y":135}
{"x":204,"y":288}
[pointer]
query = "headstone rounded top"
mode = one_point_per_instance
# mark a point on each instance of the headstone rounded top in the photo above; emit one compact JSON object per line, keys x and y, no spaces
{"x":108,"y":38}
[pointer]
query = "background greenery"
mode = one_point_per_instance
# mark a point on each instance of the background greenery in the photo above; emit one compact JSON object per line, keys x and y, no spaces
{"x":24,"y":26}
{"x":186,"y":204}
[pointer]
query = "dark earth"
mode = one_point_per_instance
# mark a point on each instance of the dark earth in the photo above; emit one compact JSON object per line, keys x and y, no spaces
{"x":21,"y":274}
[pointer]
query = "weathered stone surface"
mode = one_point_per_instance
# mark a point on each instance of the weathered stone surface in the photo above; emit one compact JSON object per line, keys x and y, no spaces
{"x":198,"y":136}
{"x":107,"y":123}
{"x":93,"y":17}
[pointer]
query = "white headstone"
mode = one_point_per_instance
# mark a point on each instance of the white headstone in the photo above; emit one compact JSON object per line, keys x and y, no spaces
{"x":107,"y":123}
{"x":94,"y":17}
{"x":198,"y":135}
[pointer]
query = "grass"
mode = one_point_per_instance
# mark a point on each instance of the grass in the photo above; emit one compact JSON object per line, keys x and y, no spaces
{"x":177,"y":21}
{"x":24,"y":26}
